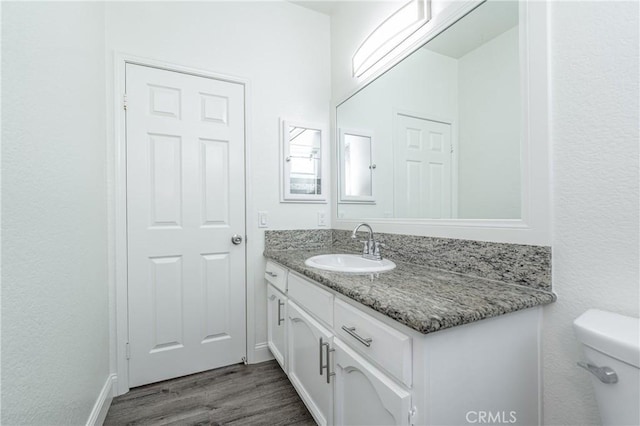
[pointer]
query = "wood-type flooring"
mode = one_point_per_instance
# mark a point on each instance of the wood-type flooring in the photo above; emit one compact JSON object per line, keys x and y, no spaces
{"x":258,"y":394}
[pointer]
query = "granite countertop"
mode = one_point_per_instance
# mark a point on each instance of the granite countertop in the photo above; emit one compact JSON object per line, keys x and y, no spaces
{"x":424,"y":299}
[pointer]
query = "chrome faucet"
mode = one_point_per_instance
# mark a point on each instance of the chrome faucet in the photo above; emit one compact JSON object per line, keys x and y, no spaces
{"x":371,"y":249}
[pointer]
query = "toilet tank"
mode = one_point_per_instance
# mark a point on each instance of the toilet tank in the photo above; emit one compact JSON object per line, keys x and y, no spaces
{"x":613,"y":340}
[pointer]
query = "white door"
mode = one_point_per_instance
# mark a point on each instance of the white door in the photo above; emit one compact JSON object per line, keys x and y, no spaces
{"x":276,"y":321}
{"x":364,"y":395}
{"x":422,"y":168}
{"x":308,"y":363}
{"x":185,"y":201}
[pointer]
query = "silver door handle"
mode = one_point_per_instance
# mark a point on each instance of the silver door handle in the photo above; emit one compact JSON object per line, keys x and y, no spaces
{"x":351,"y":331}
{"x":280,"y":317}
{"x":323,"y":366}
{"x":236,"y":239}
{"x":327,"y":365}
{"x":320,"y":345}
{"x":604,"y":374}
{"x":271,"y":274}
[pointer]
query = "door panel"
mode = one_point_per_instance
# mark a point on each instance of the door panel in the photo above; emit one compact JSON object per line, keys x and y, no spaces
{"x":364,"y":395}
{"x":276,"y":320}
{"x":304,"y":360}
{"x":185,"y":199}
{"x":422,"y":168}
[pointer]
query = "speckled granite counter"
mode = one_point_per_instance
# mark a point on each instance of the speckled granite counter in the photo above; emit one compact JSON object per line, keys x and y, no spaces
{"x":424,"y":299}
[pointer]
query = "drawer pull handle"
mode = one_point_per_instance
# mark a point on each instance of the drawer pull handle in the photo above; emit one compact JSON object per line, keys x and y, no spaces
{"x":271,"y":274}
{"x":280,"y":317}
{"x":351,"y":331}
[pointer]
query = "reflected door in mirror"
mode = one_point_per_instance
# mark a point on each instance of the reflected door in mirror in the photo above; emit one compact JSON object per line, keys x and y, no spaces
{"x":423,"y":168}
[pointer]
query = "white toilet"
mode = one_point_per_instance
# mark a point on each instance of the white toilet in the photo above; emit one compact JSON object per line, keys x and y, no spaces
{"x":611,"y":345}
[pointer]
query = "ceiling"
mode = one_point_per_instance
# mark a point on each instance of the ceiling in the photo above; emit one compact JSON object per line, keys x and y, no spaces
{"x":484,"y":23}
{"x":322,"y":6}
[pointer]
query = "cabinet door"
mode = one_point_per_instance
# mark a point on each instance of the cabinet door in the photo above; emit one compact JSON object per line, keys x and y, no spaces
{"x":308,"y":364}
{"x":364,"y":395}
{"x":276,"y":321}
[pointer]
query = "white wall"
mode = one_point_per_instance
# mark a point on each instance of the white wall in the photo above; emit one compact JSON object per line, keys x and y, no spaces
{"x":282,"y":49}
{"x":489,"y":130}
{"x":55,"y":347}
{"x":594,"y":85}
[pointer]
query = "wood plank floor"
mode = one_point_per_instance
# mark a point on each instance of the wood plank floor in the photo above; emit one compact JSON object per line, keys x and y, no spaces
{"x":258,"y":394}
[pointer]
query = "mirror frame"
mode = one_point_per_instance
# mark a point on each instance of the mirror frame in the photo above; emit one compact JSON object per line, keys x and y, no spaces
{"x":534,"y":226}
{"x":286,"y":197}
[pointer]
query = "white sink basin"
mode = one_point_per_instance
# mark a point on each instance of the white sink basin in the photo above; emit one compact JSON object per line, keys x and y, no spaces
{"x":350,"y":263}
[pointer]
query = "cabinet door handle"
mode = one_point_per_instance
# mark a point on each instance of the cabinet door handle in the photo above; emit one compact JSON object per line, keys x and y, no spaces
{"x":327,"y":365}
{"x":328,"y":350}
{"x":351,"y":331}
{"x":271,"y":274}
{"x":280,"y":317}
{"x":272,"y":297}
{"x":320,"y":355}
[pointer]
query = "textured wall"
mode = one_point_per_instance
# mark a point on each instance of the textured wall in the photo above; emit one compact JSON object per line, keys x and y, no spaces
{"x":594,"y":87}
{"x":55,"y":355}
{"x":282,"y":49}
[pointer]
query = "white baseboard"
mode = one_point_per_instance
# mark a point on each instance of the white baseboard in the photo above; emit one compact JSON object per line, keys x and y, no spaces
{"x":101,"y":407}
{"x":261,"y":353}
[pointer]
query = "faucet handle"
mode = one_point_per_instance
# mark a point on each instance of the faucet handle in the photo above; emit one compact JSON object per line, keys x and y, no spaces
{"x":365,"y":248}
{"x":375,"y":250}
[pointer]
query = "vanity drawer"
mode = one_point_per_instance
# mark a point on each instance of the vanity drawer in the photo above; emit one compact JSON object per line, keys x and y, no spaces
{"x":311,"y":297}
{"x":276,"y":275}
{"x":382,"y":344}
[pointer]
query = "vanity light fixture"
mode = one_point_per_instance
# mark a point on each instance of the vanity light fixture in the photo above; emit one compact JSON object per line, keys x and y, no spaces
{"x":390,"y":34}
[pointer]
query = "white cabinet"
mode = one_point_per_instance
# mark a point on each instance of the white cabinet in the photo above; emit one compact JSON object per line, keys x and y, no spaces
{"x":309,"y":363}
{"x":353,"y":366}
{"x":277,"y":276}
{"x":385,"y":346}
{"x":276,"y":324}
{"x":364,"y":395}
{"x":312,"y":298}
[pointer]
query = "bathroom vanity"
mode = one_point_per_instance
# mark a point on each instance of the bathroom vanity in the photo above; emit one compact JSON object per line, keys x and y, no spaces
{"x":406,"y":347}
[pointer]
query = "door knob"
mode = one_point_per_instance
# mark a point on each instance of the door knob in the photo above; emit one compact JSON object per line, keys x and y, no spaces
{"x":236,"y":239}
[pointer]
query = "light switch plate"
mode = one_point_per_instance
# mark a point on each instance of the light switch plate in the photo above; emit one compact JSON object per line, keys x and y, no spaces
{"x":322,"y":218}
{"x":263,"y":219}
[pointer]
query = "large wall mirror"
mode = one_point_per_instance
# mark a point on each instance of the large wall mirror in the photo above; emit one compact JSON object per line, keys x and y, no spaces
{"x":448,"y":126}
